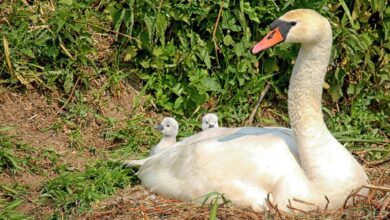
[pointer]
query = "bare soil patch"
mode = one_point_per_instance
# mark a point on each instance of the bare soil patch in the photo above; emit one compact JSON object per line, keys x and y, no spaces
{"x":30,"y":117}
{"x":28,"y":114}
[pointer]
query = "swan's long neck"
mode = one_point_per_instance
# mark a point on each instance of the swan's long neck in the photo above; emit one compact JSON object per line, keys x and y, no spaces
{"x":304,"y":104}
{"x":326,"y":163}
{"x":167,"y":140}
{"x":305,"y":91}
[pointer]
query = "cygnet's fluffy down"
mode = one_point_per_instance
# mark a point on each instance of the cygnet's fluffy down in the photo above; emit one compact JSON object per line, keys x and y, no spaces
{"x":169,"y":127}
{"x":209,"y":120}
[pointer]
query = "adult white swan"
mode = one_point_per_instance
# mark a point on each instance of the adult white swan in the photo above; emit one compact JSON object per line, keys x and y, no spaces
{"x":248,"y":163}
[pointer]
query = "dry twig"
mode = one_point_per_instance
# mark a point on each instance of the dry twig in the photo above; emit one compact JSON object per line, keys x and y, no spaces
{"x":354,"y":193}
{"x":289,"y":204}
{"x":379,"y":182}
{"x":115,"y":32}
{"x":160,"y":5}
{"x":261,"y":97}
{"x":302,"y":201}
{"x":327,"y":203}
{"x":296,"y":209}
{"x":378,"y":163}
{"x":274,"y":207}
{"x":217,"y":22}
{"x":385,"y":204}
{"x":70,"y":95}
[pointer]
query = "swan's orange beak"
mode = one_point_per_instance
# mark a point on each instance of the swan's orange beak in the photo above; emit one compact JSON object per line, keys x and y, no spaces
{"x":274,"y":37}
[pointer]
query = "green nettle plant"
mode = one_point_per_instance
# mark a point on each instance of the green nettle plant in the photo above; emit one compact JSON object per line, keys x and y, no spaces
{"x":194,"y":56}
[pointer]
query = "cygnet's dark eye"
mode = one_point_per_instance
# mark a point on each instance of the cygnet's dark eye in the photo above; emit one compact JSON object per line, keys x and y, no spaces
{"x":293,"y":23}
{"x":168,"y":126}
{"x":207,"y":122}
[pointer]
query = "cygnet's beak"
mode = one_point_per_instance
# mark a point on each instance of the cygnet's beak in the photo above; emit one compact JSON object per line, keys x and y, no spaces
{"x":159,"y":127}
{"x":211,"y":126}
{"x":272,"y":38}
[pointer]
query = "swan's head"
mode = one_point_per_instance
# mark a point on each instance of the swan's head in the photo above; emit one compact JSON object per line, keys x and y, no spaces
{"x":304,"y":26}
{"x":209,"y":120}
{"x":168,"y":127}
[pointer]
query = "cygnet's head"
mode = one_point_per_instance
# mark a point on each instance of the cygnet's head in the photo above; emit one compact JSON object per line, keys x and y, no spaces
{"x":210,"y":120}
{"x":304,"y":26}
{"x":168,"y":127}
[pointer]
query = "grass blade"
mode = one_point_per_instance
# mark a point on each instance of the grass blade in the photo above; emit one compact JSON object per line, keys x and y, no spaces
{"x":214,"y":208}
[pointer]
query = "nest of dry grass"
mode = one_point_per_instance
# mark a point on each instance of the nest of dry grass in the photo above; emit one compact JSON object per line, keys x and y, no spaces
{"x":139,"y":203}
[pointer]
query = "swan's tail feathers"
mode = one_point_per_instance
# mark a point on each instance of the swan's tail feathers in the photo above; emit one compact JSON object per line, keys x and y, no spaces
{"x":135,"y":163}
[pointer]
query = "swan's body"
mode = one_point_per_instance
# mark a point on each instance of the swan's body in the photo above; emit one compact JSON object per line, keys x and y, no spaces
{"x":248,"y":163}
{"x":209,"y":120}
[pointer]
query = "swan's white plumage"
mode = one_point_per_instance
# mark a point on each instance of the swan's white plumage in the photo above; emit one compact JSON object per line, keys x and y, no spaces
{"x":248,"y":163}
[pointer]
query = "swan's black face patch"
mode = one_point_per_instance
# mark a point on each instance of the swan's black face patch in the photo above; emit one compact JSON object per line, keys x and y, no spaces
{"x":284,"y":26}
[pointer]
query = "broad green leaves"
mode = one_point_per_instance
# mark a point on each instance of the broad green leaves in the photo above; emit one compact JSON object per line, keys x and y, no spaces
{"x":191,"y":54}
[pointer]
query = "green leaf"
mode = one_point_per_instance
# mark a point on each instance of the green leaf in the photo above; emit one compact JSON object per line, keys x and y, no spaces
{"x":214,"y":209}
{"x":211,"y":84}
{"x":13,"y":205}
{"x":68,"y":83}
{"x":161,"y":26}
{"x":197,"y":97}
{"x":270,"y":66}
{"x":336,"y":83}
{"x":158,"y":51}
{"x":228,"y":40}
{"x":66,"y":2}
{"x":150,"y":27}
{"x":178,"y":102}
{"x":130,"y":53}
{"x":206,"y":58}
{"x":250,"y":11}
{"x":118,"y":19}
{"x":239,"y":49}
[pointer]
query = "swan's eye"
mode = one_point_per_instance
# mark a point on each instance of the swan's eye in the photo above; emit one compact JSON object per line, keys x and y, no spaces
{"x":293,"y":23}
{"x":168,"y":126}
{"x":207,"y":122}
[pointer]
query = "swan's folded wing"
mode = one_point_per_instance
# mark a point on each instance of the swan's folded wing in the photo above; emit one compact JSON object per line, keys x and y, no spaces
{"x":135,"y":163}
{"x":190,"y":170}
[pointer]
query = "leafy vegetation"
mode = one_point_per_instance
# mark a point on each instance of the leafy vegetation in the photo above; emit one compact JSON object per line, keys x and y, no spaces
{"x":193,"y":57}
{"x":214,"y":203}
{"x":136,"y":133}
{"x":9,"y":160}
{"x":7,"y":211}
{"x":11,"y":197}
{"x":16,"y":156}
{"x":10,"y":163}
{"x":77,"y":190}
